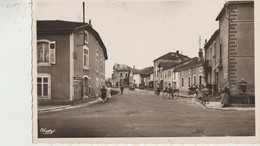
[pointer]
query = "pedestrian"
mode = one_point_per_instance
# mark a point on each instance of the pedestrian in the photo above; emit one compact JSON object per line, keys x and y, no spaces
{"x":122,"y":87}
{"x":103,"y":93}
{"x":225,"y":94}
{"x":158,"y":89}
{"x":108,"y":91}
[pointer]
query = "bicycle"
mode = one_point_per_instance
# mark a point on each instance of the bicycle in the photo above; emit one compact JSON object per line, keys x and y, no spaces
{"x":171,"y":94}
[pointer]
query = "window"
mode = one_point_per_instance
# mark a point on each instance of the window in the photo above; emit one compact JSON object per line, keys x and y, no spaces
{"x":200,"y":80}
{"x":126,"y":75}
{"x":86,"y":37}
{"x":194,"y":80}
{"x":43,"y":85}
{"x":214,"y":51}
{"x":182,"y":82}
{"x":85,"y":57}
{"x":169,"y":73}
{"x":189,"y":82}
{"x":46,"y":52}
{"x":121,"y":75}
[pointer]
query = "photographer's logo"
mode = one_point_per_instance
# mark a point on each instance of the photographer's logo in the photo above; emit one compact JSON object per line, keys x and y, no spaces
{"x":46,"y":131}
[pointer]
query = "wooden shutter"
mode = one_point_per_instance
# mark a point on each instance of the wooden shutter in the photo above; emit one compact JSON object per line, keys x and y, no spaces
{"x":52,"y":52}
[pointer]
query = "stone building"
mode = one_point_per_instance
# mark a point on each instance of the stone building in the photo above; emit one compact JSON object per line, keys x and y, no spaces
{"x":70,"y":61}
{"x":120,"y":74}
{"x":163,"y":62}
{"x":234,"y":45}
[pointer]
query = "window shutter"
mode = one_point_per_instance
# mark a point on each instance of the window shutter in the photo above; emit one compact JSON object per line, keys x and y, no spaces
{"x":52,"y":52}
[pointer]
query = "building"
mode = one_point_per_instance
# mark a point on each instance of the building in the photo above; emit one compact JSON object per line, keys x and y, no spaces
{"x":163,"y":62}
{"x":147,"y":77}
{"x":191,"y":74}
{"x":70,"y":61}
{"x":170,"y":74}
{"x":120,"y":74}
{"x":233,"y":62}
{"x":214,"y":75}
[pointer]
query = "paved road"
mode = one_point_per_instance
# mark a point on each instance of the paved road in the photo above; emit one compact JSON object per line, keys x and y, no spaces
{"x":143,"y":114}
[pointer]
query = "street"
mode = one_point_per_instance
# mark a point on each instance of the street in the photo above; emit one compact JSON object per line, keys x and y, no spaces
{"x":144,"y":114}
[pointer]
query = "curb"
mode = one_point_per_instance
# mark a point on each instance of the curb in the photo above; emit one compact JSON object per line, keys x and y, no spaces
{"x":68,"y":106}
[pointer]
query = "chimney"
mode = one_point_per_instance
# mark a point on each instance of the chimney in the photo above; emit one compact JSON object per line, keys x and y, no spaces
{"x":177,"y":52}
{"x":200,"y":54}
{"x":89,"y":23}
{"x":133,"y":67}
{"x":206,"y":41}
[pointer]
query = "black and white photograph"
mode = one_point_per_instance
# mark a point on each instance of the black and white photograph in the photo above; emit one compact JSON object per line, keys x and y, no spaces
{"x":169,"y":69}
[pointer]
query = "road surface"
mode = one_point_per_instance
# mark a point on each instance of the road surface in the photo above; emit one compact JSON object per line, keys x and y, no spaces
{"x":144,"y":114}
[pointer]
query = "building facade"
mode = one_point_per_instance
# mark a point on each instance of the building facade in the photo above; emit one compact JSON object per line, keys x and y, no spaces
{"x":70,"y":61}
{"x":121,"y":73}
{"x":191,"y":74}
{"x":162,"y":63}
{"x":214,"y":75}
{"x":235,"y":62}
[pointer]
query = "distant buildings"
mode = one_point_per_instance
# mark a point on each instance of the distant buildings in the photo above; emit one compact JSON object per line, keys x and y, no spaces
{"x":120,"y":74}
{"x":70,"y":61}
{"x":164,"y":62}
{"x":228,"y":62}
{"x":230,"y":50}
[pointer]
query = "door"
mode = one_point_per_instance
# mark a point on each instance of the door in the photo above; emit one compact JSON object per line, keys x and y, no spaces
{"x":86,"y":87}
{"x":78,"y":92}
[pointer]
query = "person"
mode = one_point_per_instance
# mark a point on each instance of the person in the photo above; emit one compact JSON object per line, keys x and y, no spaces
{"x":170,"y":91}
{"x":158,"y":89}
{"x":225,"y":94}
{"x":108,"y":91}
{"x":122,"y":87}
{"x":103,"y":93}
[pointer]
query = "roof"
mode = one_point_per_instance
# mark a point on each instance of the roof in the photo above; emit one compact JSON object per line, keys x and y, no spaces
{"x":167,"y":65}
{"x":171,"y":56}
{"x":122,"y":67}
{"x":135,"y":71}
{"x":148,"y":70}
{"x":212,"y":38}
{"x":223,"y":10}
{"x":60,"y":26}
{"x":193,"y":63}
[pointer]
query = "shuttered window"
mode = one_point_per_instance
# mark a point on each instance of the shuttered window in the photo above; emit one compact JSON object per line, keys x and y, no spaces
{"x":46,"y":52}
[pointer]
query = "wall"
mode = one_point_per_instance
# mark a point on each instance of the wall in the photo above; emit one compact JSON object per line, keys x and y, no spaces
{"x":197,"y":71}
{"x":241,"y":48}
{"x":60,"y":81}
{"x":96,"y":70}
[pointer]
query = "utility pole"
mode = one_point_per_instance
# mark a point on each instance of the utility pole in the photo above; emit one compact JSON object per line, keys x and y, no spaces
{"x":83,"y":12}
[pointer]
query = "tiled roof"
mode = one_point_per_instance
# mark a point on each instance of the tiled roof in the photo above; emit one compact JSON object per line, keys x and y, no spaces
{"x":231,"y":3}
{"x":171,"y":56}
{"x":193,"y":63}
{"x":60,"y":26}
{"x":167,"y":65}
{"x":148,"y":70}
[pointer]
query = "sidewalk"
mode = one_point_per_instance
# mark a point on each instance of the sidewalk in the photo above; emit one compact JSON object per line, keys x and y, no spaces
{"x":216,"y":105}
{"x":52,"y":108}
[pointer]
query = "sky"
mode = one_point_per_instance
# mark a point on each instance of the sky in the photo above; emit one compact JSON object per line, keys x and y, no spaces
{"x":137,"y":32}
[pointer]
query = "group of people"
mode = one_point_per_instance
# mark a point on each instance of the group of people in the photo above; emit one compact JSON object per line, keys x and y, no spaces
{"x":105,"y":92}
